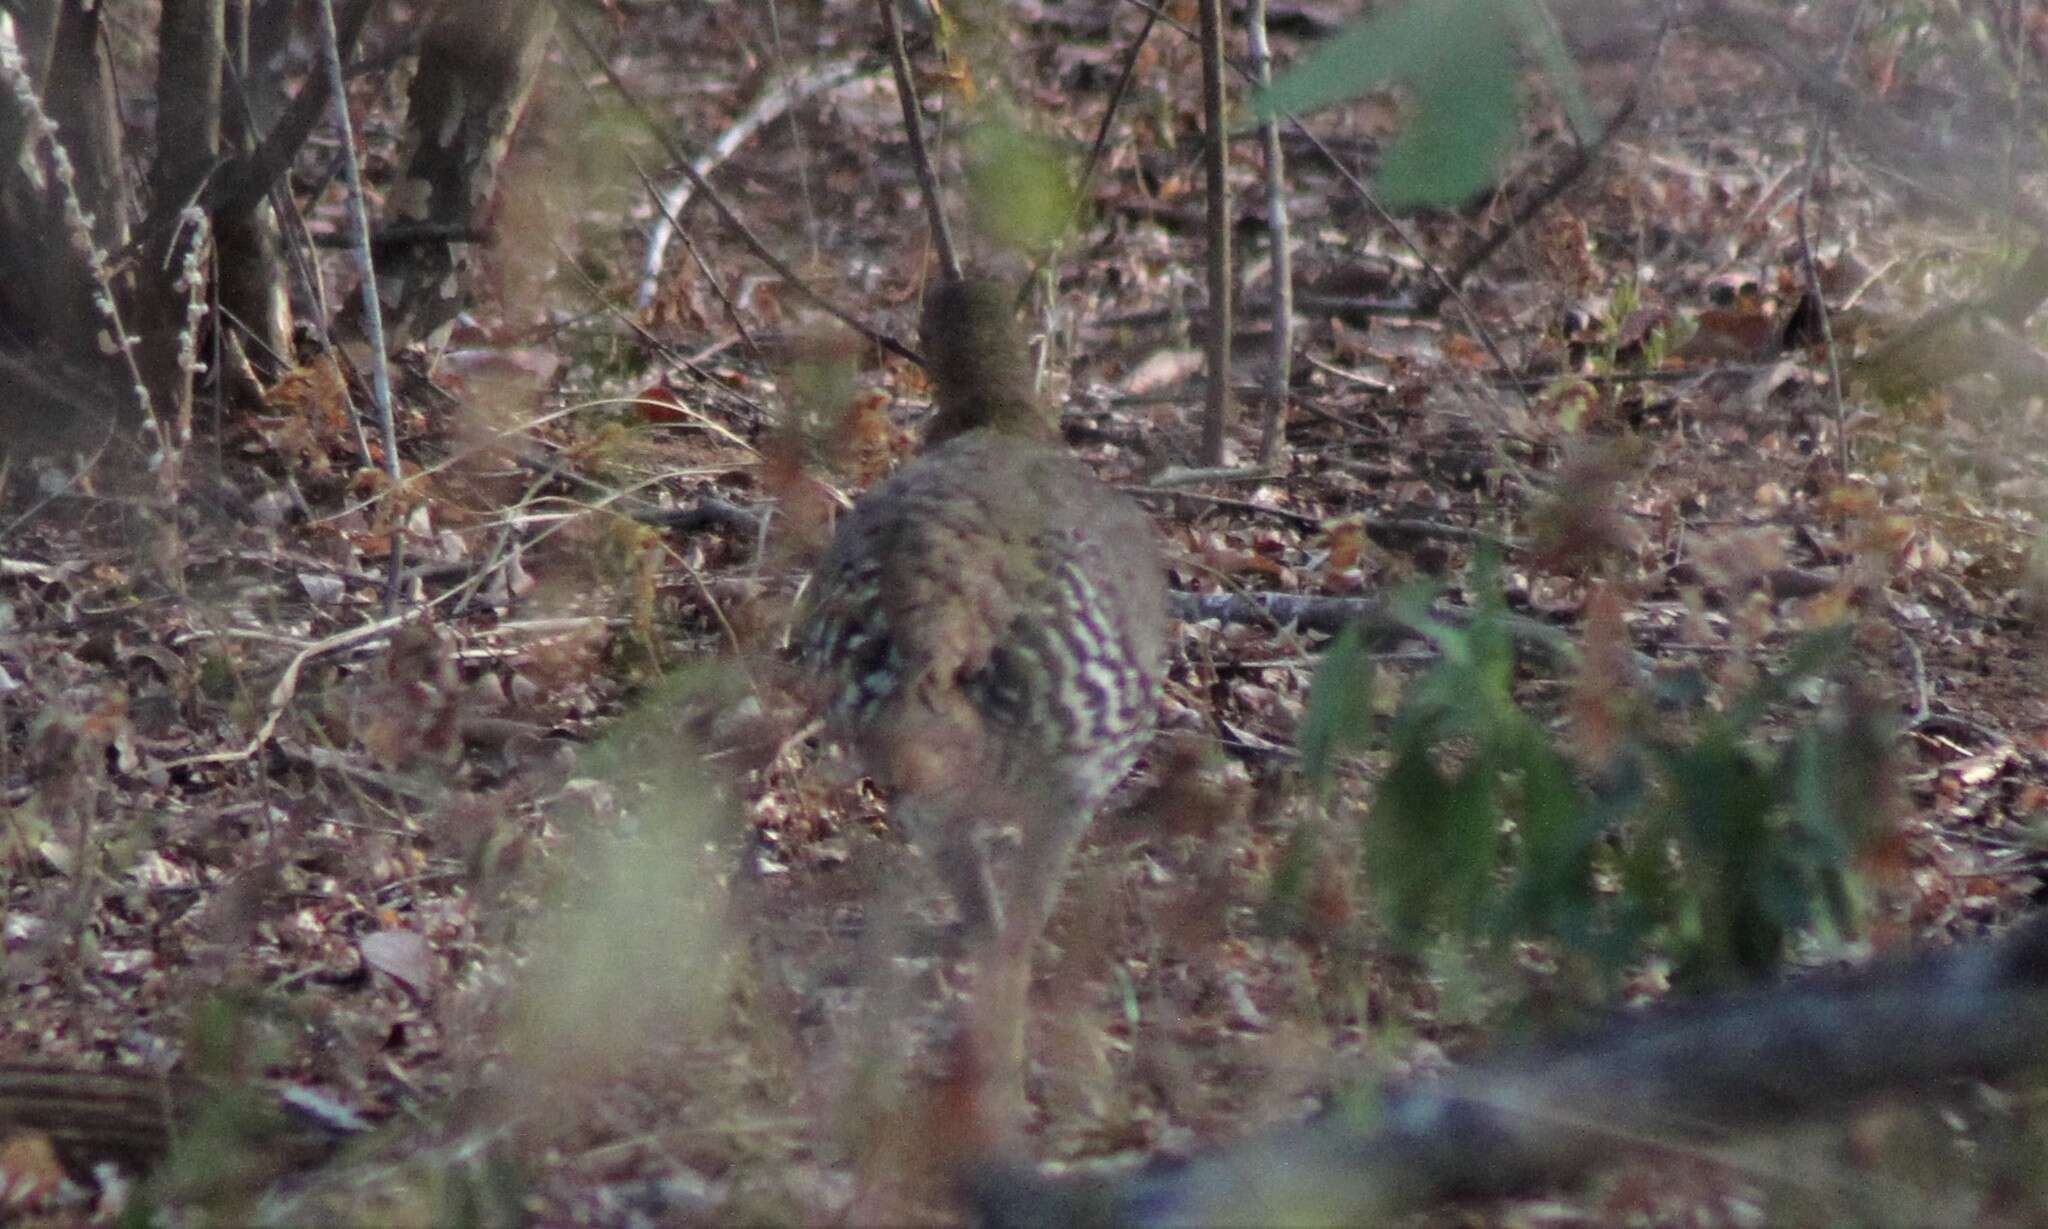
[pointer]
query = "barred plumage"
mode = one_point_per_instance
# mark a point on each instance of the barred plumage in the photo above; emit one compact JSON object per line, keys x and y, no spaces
{"x":988,"y":626}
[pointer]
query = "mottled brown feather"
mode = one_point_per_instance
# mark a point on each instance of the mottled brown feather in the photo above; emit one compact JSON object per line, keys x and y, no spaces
{"x":988,"y":626}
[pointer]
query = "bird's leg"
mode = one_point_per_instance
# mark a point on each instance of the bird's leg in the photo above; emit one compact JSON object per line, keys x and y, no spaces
{"x":948,"y":841}
{"x":1004,"y":991}
{"x":1048,"y":847}
{"x":1001,"y":1011}
{"x":962,"y":862}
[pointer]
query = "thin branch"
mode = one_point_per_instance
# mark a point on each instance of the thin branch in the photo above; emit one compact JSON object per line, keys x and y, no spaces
{"x":1145,"y":6}
{"x":673,"y":206}
{"x":796,"y":133}
{"x":1280,"y":378}
{"x":1102,"y":129}
{"x":1364,"y":193}
{"x":753,"y":411}
{"x":245,"y":180}
{"x":1692,"y":1074}
{"x":1816,"y":153}
{"x":287,"y":684}
{"x":1216,"y":148}
{"x":1400,"y":232}
{"x":1885,"y":138}
{"x":41,"y":134}
{"x":1582,"y":159}
{"x":779,"y":99}
{"x":920,"y":155}
{"x":373,"y":311}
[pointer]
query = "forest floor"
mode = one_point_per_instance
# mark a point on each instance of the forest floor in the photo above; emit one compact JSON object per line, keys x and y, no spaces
{"x":558,"y":874}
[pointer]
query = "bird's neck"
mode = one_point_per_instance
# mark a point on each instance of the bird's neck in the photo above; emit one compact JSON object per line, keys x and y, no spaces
{"x":1001,"y":408}
{"x":980,"y":368}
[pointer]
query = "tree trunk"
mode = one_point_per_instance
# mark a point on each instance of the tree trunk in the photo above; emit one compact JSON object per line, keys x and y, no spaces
{"x":252,"y":289}
{"x":80,"y":95}
{"x":192,"y":51}
{"x":478,"y":65}
{"x":35,"y":25}
{"x":192,"y":55}
{"x":58,"y":381}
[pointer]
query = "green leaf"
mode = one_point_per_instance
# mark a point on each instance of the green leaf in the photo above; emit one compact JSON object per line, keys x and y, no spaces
{"x":1286,"y":902}
{"x":1339,"y":715}
{"x":1464,"y":124}
{"x":1456,"y":58}
{"x":1409,"y":608}
{"x":1560,"y":830}
{"x":1433,"y":839}
{"x":1380,"y":50}
{"x":1540,"y":35}
{"x":1715,"y":838}
{"x":1017,"y":184}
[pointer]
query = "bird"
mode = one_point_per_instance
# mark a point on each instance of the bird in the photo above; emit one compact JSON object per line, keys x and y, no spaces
{"x":987,"y":631}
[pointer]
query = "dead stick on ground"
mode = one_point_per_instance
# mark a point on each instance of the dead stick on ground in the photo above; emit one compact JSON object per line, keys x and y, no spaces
{"x":287,"y":686}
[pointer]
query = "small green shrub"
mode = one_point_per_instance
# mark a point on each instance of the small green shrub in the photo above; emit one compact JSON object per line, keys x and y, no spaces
{"x":1698,"y":834}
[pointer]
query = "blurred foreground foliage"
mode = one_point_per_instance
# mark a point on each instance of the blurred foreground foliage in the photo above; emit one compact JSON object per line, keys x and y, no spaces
{"x":1455,"y":62}
{"x":1665,"y":826}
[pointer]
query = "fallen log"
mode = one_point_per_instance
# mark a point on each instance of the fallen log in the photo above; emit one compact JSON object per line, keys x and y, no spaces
{"x":1703,"y":1072}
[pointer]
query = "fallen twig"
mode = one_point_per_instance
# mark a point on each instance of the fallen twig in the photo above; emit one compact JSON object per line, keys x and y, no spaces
{"x":1331,"y":615}
{"x":287,"y":686}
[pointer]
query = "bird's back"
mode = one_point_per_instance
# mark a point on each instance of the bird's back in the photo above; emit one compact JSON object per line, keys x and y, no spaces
{"x":992,"y":614}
